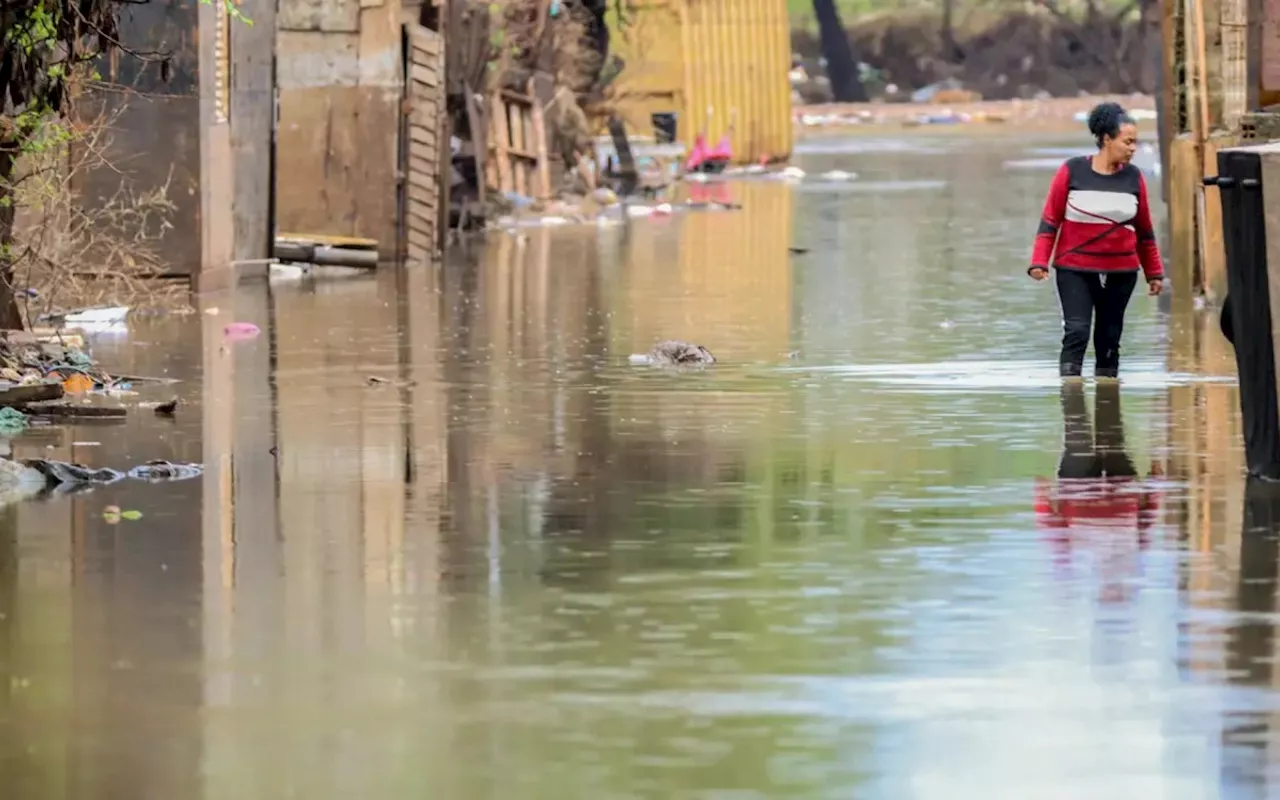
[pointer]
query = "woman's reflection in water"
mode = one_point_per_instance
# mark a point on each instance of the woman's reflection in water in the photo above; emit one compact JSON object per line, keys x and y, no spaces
{"x":1099,"y":503}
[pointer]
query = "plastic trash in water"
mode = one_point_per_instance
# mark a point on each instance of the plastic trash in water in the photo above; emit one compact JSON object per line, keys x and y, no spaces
{"x":12,"y":421}
{"x":838,"y":175}
{"x":98,"y":316}
{"x":517,"y":200}
{"x":287,"y":272}
{"x":240,"y":331}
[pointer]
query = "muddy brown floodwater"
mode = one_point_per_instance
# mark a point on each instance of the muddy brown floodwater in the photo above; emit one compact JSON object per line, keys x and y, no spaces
{"x":838,"y":564}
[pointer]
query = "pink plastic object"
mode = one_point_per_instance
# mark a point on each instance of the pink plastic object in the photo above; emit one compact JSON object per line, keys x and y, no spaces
{"x":698,"y":154}
{"x":723,"y":151}
{"x":240,"y":331}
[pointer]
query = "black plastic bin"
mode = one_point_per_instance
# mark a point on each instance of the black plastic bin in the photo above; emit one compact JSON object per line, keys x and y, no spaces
{"x":664,"y":127}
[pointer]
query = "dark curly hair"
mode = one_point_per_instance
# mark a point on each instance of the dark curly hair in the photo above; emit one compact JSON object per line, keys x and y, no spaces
{"x":1105,"y":120}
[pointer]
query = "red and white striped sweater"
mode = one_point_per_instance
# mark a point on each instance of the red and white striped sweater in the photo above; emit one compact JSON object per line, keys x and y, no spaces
{"x":1100,"y":223}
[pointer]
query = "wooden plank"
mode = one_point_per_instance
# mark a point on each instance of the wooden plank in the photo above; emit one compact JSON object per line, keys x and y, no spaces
{"x":424,"y":241}
{"x":1168,"y":96}
{"x":475,"y":121}
{"x":426,"y":40}
{"x":420,"y":195}
{"x":14,"y":395}
{"x":423,"y":224}
{"x":516,"y":98}
{"x":333,"y":241}
{"x":422,"y":165}
{"x":527,"y":143}
{"x":426,"y":227}
{"x":426,"y":116}
{"x":1214,"y":258}
{"x":515,"y":121}
{"x":423,"y":53}
{"x":428,"y":76}
{"x":338,"y":162}
{"x":540,"y":147}
{"x":421,"y":135}
{"x":423,"y":188}
{"x":501,"y":139}
{"x":1184,"y":174}
{"x":423,"y":232}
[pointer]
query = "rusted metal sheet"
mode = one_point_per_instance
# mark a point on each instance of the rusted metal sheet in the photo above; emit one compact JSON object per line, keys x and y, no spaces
{"x":319,"y":15}
{"x":426,"y":148}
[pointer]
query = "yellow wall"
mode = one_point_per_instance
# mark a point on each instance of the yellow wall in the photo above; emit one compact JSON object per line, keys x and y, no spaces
{"x":711,"y":61}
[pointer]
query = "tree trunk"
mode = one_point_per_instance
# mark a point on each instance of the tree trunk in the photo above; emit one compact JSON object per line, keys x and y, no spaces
{"x":1149,"y":45}
{"x":842,"y":66}
{"x":10,"y":317}
{"x":950,"y":48}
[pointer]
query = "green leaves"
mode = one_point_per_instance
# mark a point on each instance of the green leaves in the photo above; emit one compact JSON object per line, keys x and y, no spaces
{"x":233,"y":10}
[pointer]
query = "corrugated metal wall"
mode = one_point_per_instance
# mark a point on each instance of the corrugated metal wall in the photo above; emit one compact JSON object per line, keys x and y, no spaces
{"x":714,"y":62}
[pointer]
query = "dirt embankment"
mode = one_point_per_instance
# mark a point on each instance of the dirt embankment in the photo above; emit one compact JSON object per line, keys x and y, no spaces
{"x":1016,"y":55}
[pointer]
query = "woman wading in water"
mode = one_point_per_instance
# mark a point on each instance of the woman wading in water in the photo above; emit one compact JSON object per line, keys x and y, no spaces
{"x":1098,"y":217}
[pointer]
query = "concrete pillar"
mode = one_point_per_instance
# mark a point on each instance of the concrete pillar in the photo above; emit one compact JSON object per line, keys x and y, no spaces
{"x":253,"y":113}
{"x":217,"y":182}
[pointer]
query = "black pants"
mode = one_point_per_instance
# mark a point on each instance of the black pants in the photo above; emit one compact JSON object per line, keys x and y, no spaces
{"x":1086,"y":454}
{"x":1084,"y":295}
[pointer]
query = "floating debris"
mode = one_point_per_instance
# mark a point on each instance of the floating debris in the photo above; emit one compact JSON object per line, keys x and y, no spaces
{"x":67,"y":476}
{"x":112,"y":515}
{"x":12,"y":421}
{"x":675,"y":353}
{"x":240,"y":331}
{"x":62,"y":473}
{"x":164,"y":471}
{"x":374,"y":380}
{"x":167,"y":409}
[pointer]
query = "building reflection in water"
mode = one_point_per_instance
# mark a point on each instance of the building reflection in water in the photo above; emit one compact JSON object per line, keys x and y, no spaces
{"x":378,"y":590}
{"x":1248,"y":734}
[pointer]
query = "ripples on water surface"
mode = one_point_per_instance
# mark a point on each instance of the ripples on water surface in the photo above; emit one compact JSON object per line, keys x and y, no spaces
{"x":837,"y":565}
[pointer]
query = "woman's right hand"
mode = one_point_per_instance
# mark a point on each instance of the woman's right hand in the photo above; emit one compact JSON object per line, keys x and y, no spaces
{"x":1038,"y":273}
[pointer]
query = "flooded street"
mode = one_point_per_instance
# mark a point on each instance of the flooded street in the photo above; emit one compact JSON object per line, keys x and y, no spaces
{"x":838,"y":564}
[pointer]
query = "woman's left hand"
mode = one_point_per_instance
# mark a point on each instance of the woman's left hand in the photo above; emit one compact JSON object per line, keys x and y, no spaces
{"x":1154,"y":286}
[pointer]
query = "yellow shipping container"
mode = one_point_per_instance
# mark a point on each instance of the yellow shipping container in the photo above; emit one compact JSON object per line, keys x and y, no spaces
{"x":713,"y":63}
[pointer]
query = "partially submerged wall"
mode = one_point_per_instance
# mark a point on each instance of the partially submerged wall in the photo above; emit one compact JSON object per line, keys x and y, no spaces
{"x":154,"y":117}
{"x":340,"y":81}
